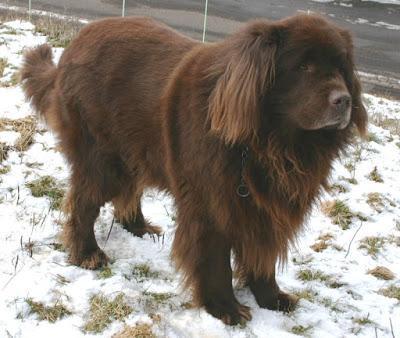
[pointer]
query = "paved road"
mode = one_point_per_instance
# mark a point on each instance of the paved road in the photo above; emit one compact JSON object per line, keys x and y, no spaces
{"x":376,"y":26}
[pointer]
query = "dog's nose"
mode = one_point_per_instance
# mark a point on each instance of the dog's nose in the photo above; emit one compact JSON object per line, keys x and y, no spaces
{"x":340,"y":100}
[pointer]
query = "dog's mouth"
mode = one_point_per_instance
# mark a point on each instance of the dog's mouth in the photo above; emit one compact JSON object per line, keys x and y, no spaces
{"x":331,"y":127}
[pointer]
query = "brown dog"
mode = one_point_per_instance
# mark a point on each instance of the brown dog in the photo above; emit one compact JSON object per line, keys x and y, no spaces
{"x":241,"y":132}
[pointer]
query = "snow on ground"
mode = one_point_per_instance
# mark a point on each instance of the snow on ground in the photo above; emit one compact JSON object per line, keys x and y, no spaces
{"x":330,"y":269}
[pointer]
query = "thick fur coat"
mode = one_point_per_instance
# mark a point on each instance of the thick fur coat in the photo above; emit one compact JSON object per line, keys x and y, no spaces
{"x":241,"y":132}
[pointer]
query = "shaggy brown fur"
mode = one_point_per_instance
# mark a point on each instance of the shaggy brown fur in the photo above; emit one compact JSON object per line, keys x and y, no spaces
{"x":137,"y":105}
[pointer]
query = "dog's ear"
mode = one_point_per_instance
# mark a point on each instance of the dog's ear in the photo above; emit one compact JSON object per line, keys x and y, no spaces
{"x":234,"y":105}
{"x":359,"y":114}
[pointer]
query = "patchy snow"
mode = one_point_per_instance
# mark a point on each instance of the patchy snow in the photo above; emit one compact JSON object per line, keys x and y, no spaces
{"x":375,"y":24}
{"x":342,"y":302}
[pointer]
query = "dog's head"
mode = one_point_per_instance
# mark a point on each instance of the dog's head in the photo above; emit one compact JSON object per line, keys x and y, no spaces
{"x":297,"y":73}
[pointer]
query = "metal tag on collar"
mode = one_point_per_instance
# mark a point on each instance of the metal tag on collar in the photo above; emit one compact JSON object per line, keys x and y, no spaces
{"x":243,"y":190}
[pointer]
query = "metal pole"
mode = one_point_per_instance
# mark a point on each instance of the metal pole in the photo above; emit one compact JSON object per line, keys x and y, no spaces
{"x":30,"y":9}
{"x":205,"y":21}
{"x":123,"y":7}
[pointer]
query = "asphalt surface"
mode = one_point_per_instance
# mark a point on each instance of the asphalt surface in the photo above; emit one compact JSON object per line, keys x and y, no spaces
{"x":375,"y":26}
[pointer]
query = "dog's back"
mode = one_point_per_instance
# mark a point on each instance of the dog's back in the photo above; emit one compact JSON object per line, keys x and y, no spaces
{"x":107,"y":83}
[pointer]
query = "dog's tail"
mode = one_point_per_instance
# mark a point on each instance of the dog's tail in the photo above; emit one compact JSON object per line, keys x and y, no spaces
{"x":38,"y":74}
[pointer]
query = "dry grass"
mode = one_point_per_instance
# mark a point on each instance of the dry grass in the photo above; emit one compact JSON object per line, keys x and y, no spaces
{"x":392,"y":291}
{"x":49,"y":313}
{"x":137,"y":331}
{"x":391,"y":124}
{"x":25,"y":126}
{"x":338,"y":188}
{"x":153,"y":301}
{"x":322,"y":242}
{"x":339,"y":212}
{"x":5,"y":170}
{"x":375,"y":176}
{"x":4,"y":149}
{"x":372,"y":244}
{"x":142,"y":271}
{"x":382,"y":272}
{"x":319,"y":246}
{"x":104,"y":311}
{"x":3,"y":65}
{"x":375,"y":201}
{"x":13,"y":81}
{"x":307,"y":294}
{"x":59,"y":32}
{"x":47,"y":186}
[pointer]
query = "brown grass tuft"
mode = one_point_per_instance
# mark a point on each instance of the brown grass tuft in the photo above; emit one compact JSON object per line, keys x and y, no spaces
{"x":392,"y":291}
{"x":375,"y":176}
{"x":25,"y":126}
{"x":59,"y":32}
{"x":103,"y":311}
{"x":3,"y":65}
{"x":49,"y":313}
{"x":137,"y":331}
{"x":382,"y":272}
{"x":319,"y":246}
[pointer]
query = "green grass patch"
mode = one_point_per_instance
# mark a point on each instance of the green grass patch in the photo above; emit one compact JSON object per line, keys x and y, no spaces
{"x":45,"y":312}
{"x":152,"y":301}
{"x":307,"y":294}
{"x":301,"y":330}
{"x":339,"y":212}
{"x":5,"y":170}
{"x":49,"y":187}
{"x":371,"y":137}
{"x":332,"y":305}
{"x":105,"y":273}
{"x":372,"y":244}
{"x":308,"y":275}
{"x":160,"y":298}
{"x":104,"y":311}
{"x":362,"y":320}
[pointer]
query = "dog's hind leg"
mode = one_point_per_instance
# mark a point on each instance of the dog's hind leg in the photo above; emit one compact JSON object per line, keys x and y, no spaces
{"x":95,"y":180}
{"x":128,"y":212}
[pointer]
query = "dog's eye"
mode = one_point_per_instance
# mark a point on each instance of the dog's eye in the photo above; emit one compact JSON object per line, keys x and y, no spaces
{"x":305,"y":67}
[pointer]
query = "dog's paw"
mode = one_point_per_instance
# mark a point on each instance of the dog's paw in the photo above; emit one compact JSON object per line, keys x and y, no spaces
{"x":93,"y":261}
{"x":232,"y":314}
{"x":147,"y":229}
{"x":283,"y":302}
